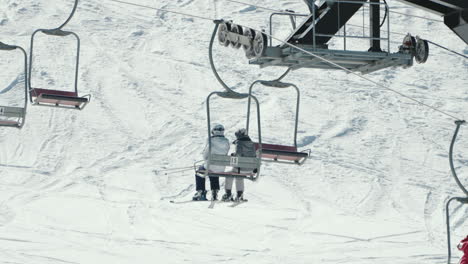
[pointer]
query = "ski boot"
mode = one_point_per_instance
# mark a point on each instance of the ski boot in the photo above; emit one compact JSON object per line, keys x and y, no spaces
{"x":200,"y":196}
{"x":214,"y":195}
{"x":227,"y":196}
{"x":240,"y":196}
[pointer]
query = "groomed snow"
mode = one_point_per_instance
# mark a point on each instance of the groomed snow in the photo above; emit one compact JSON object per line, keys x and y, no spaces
{"x":80,"y":187}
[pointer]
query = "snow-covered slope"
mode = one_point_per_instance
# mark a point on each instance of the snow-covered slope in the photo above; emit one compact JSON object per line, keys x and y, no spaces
{"x":79,"y":186}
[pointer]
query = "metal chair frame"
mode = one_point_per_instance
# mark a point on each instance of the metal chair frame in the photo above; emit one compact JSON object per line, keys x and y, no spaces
{"x":462,"y":200}
{"x":13,"y":111}
{"x":233,"y":161}
{"x":57,"y":98}
{"x":301,"y":156}
{"x":52,"y":97}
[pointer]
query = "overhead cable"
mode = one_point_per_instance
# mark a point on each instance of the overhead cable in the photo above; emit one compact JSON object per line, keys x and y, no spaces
{"x":421,"y":17}
{"x":260,"y":7}
{"x":440,"y":46}
{"x":363,"y":77}
{"x":162,"y":9}
{"x":310,"y":53}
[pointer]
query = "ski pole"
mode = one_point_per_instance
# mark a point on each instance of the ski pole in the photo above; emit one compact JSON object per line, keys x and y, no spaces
{"x":173,"y":169}
{"x":172,"y":172}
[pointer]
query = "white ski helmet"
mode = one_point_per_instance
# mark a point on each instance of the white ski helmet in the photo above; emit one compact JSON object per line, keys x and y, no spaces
{"x":217,"y":130}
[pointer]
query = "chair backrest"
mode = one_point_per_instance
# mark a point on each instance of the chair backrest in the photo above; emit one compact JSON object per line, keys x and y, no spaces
{"x":36,"y":92}
{"x":276,"y":147}
{"x":11,"y":111}
{"x":238,"y":162}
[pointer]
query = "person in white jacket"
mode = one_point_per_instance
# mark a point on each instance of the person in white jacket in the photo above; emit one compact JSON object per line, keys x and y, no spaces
{"x":219,"y":145}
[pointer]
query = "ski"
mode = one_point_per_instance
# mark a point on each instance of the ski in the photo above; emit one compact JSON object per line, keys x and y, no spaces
{"x":237,"y":203}
{"x":187,"y":201}
{"x":212,"y":204}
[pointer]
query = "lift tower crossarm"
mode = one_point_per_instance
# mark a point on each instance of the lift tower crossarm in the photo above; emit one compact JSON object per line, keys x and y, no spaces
{"x":455,"y":13}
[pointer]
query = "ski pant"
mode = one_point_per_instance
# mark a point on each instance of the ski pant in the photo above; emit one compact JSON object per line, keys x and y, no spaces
{"x":239,"y":182}
{"x":200,"y":183}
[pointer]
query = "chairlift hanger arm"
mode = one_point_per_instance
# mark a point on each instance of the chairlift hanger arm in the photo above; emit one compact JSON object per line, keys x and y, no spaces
{"x":4,"y":46}
{"x":458,"y":123}
{"x":210,"y":55}
{"x":70,"y":16}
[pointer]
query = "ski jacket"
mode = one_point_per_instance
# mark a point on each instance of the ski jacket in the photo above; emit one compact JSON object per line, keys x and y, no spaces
{"x":219,"y":145}
{"x":245,"y":148}
{"x":463,"y":246}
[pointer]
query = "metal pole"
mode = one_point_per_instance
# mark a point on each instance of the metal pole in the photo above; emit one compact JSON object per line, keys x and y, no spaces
{"x":31,"y":63}
{"x":248,"y":105}
{"x":25,"y":83}
{"x":458,"y":123}
{"x":209,"y":130}
{"x":313,"y":23}
{"x":374,"y":17}
{"x":447,"y":219}
{"x":77,"y":61}
{"x":297,"y":114}
{"x":388,"y":28}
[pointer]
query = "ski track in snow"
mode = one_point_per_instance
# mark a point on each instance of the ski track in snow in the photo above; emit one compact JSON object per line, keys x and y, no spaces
{"x":79,"y":186}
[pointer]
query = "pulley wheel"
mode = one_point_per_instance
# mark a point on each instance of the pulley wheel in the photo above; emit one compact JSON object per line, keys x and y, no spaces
{"x":238,"y":30}
{"x":422,"y":50}
{"x":259,"y":44}
{"x":249,"y":33}
{"x":409,"y":44}
{"x":223,"y":32}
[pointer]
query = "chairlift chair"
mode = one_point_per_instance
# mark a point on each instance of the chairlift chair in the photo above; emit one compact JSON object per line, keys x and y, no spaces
{"x":52,"y":97}
{"x":275,"y":152}
{"x":14,"y":116}
{"x":461,"y":200}
{"x":250,"y":163}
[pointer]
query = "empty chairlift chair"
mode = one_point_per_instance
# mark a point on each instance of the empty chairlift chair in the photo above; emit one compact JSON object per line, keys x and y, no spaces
{"x":52,"y":97}
{"x":247,"y":163}
{"x":275,"y":152}
{"x":14,"y":116}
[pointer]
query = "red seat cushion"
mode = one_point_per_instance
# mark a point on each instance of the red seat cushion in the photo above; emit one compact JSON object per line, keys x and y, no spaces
{"x":277,"y":147}
{"x":36,"y":92}
{"x":8,"y":122}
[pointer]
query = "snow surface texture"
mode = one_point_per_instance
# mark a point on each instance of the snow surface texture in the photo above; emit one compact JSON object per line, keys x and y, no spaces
{"x":79,"y":187}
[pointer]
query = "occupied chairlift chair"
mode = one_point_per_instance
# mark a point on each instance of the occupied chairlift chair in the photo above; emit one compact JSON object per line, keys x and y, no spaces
{"x":52,"y":97}
{"x":13,"y":116}
{"x":281,"y":153}
{"x":252,"y":163}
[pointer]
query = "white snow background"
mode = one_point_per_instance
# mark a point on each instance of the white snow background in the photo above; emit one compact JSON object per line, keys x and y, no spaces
{"x":79,"y":186}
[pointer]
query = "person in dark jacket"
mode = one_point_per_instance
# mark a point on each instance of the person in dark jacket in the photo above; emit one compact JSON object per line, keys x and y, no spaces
{"x":244,"y":148}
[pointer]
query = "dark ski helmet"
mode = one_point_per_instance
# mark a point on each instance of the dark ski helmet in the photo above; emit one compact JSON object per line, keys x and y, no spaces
{"x":241,"y":133}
